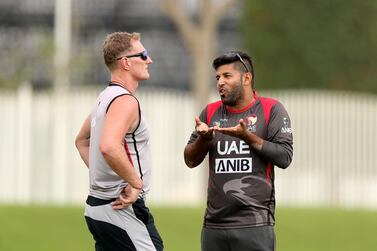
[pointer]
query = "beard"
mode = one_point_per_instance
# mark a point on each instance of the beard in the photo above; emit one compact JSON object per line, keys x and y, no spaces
{"x":234,"y":96}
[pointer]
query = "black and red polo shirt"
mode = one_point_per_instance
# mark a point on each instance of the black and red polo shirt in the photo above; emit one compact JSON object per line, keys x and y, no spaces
{"x":241,"y":179}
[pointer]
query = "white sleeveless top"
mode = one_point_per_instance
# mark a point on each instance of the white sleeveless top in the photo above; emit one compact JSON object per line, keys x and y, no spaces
{"x":104,"y":182}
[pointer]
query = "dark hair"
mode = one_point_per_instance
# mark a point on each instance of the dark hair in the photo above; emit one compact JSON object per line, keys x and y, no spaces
{"x":242,"y":60}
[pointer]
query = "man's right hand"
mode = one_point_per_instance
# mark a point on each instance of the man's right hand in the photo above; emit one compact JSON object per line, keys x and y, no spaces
{"x":203,"y":130}
{"x":127,"y":197}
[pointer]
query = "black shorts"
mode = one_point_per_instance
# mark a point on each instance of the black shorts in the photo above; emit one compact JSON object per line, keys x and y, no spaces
{"x":250,"y":239}
{"x":131,"y":228}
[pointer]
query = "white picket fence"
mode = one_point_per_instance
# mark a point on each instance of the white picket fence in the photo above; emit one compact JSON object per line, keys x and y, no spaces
{"x":334,"y":148}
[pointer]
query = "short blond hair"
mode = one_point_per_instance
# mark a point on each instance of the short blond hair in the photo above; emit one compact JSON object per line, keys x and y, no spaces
{"x":116,"y":43}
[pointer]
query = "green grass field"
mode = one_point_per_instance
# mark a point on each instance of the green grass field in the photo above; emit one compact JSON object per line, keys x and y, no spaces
{"x":41,"y":228}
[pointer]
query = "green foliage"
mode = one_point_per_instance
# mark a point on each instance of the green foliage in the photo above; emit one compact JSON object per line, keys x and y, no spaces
{"x":27,"y":63}
{"x":41,"y":228}
{"x":312,"y":44}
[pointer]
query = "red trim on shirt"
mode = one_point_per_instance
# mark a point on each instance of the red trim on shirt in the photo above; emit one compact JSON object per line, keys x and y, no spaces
{"x":255,"y":98}
{"x":211,"y":109}
{"x":268,"y":172}
{"x":267,"y":104}
{"x":128,"y":152}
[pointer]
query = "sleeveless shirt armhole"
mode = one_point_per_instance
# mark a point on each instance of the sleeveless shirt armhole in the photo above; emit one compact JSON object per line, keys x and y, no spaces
{"x":138,"y":105}
{"x":115,"y":99}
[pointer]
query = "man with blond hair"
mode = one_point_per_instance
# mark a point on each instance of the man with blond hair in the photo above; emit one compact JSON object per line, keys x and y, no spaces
{"x":114,"y":143}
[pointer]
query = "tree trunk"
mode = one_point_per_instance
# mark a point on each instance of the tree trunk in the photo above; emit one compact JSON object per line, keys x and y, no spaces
{"x":202,"y":80}
{"x":200,"y":39}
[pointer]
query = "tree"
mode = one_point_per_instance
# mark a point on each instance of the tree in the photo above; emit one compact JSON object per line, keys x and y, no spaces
{"x":199,"y":35}
{"x":313,"y":44}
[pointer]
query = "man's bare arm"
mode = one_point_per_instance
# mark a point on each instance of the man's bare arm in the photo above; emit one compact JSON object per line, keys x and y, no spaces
{"x":121,"y":116}
{"x":82,"y":141}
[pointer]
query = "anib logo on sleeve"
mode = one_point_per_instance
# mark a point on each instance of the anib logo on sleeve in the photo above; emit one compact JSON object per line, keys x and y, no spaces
{"x":286,"y":128}
{"x":233,"y":165}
